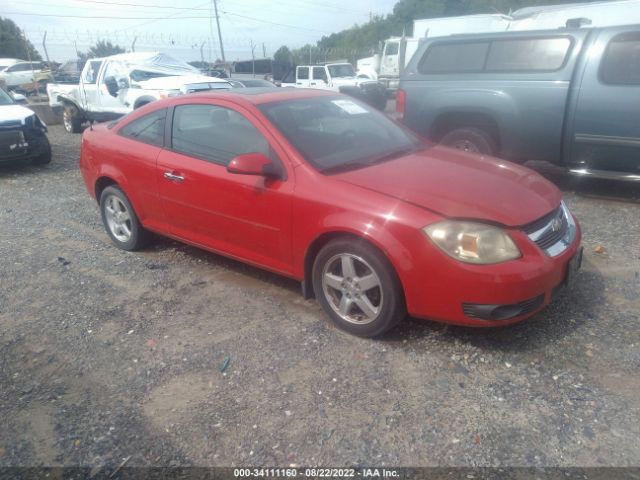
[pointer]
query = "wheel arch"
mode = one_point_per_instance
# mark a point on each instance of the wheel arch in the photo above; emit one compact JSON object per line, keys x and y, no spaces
{"x":324,"y":238}
{"x":142,"y":101}
{"x":101,"y":183}
{"x":449,"y":121}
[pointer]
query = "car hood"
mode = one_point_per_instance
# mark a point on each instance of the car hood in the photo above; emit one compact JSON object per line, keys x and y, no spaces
{"x":174,"y":82}
{"x":461,"y":185}
{"x":14,"y":112}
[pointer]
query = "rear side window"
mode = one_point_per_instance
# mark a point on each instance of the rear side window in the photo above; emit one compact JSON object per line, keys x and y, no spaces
{"x":303,"y":73}
{"x":621,"y":61}
{"x":513,"y":55}
{"x":528,"y":54}
{"x":148,"y":129}
{"x":215,"y":134}
{"x":454,"y":58}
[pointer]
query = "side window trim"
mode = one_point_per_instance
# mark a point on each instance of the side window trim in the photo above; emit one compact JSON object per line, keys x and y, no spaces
{"x":142,"y":140}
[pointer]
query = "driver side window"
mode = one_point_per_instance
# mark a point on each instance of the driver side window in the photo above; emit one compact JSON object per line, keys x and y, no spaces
{"x":118,"y":71}
{"x":215,"y":134}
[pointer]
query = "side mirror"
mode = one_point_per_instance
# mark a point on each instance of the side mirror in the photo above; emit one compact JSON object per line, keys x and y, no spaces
{"x":112,"y":86}
{"x":253,"y":164}
{"x":123,"y":83}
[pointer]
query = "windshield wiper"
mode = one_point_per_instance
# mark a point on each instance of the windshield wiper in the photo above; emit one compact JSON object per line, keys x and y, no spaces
{"x":367,"y":163}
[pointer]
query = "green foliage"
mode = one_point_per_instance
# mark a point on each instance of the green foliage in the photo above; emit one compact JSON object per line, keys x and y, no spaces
{"x":103,"y":48}
{"x":13,"y":44}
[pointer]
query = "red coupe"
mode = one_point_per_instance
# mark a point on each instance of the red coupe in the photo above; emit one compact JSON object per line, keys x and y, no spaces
{"x":375,"y":222}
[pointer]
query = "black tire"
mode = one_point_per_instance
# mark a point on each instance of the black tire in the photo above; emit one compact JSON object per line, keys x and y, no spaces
{"x":387,"y":296}
{"x":137,"y":236}
{"x":44,"y":157}
{"x":141,"y":104}
{"x":71,"y":119}
{"x":470,"y":139}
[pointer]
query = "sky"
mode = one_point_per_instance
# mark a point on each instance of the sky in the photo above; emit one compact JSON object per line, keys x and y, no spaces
{"x":185,"y":27}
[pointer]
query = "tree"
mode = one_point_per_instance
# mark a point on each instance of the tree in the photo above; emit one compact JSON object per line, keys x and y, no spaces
{"x":283,"y":55}
{"x":103,"y":48}
{"x":13,"y":44}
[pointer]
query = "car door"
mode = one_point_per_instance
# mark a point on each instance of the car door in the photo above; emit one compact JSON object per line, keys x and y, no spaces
{"x":244,"y":216}
{"x":90,"y":84}
{"x":319,"y":78}
{"x":302,"y":77}
{"x":107,"y":103}
{"x":607,"y":116}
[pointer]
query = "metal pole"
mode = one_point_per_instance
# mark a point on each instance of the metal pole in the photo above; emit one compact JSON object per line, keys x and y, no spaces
{"x":215,"y":6}
{"x":253,"y":58}
{"x":44,"y":46}
{"x":133,"y":44}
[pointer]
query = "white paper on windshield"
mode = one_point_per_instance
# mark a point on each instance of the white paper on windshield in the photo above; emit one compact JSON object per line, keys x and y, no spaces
{"x":350,"y":107}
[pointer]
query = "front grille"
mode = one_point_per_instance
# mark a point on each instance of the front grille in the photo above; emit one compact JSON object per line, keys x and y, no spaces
{"x":502,"y":312}
{"x":549,"y":229}
{"x":11,"y":142}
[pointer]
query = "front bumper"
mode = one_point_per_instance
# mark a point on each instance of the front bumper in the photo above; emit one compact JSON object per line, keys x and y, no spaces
{"x":489,"y":295}
{"x":22,"y":145}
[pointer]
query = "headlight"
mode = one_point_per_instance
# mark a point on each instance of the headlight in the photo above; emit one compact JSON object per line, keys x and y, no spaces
{"x":472,"y":242}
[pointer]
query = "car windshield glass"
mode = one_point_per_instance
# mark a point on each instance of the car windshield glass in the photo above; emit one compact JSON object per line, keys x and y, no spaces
{"x":339,"y":133}
{"x":343,"y":70}
{"x":5,"y":98}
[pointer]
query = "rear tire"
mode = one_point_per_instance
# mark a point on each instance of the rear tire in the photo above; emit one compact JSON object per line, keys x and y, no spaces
{"x":358,"y":288}
{"x":71,"y":119}
{"x":470,"y":139}
{"x":121,"y":221}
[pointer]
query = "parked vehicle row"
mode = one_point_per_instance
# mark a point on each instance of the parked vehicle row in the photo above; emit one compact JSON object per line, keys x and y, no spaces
{"x":114,"y":86}
{"x":566,"y":96}
{"x":373,"y":221}
{"x":337,"y":77}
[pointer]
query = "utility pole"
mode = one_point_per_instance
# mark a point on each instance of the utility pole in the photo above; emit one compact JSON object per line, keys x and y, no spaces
{"x":202,"y":54}
{"x":264,"y":51}
{"x":253,"y":57}
{"x":44,"y":46}
{"x":215,"y":6}
{"x":133,"y":44}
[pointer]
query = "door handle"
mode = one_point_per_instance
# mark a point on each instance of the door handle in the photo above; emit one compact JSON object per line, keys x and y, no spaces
{"x":312,"y":83}
{"x":299,"y":83}
{"x":173,"y":177}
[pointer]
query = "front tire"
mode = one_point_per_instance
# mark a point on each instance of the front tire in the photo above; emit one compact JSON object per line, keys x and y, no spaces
{"x":121,"y":221}
{"x":71,"y":119}
{"x":44,"y":157}
{"x":358,"y":288}
{"x":470,"y":139}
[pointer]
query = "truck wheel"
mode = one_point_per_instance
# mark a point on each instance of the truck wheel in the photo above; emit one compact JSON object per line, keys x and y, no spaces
{"x":470,"y":139}
{"x":71,"y":119}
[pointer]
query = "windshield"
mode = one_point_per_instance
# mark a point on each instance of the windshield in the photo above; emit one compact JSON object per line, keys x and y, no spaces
{"x":339,"y":133}
{"x":342,"y":70}
{"x":5,"y":98}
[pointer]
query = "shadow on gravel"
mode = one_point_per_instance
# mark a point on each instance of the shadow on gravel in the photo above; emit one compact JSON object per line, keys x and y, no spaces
{"x":220,"y":261}
{"x":621,"y":191}
{"x":570,"y":310}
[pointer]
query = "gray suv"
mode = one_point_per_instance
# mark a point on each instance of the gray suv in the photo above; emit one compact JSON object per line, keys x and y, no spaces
{"x":567,"y":96}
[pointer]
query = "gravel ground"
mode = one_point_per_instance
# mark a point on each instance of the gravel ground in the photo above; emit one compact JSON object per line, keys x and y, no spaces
{"x":106,"y":354}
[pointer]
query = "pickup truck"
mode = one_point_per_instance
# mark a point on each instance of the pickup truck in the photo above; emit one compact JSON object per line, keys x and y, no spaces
{"x":114,"y":86}
{"x":569,"y":96}
{"x":339,"y":77}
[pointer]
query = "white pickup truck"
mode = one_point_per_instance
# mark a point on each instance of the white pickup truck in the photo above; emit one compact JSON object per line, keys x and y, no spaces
{"x":114,"y":86}
{"x":339,"y":77}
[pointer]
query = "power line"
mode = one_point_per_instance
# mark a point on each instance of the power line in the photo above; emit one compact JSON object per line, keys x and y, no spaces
{"x":95,"y":16}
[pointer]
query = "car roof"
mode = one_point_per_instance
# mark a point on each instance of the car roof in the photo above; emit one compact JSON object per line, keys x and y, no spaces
{"x":259,"y":96}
